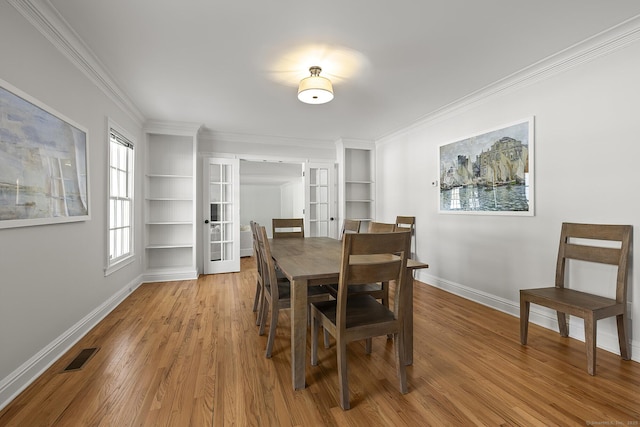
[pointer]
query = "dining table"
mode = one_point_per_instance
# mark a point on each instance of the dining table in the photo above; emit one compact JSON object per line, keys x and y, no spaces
{"x":313,"y":261}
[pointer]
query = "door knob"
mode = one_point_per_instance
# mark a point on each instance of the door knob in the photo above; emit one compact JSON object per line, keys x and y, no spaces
{"x":206,"y":221}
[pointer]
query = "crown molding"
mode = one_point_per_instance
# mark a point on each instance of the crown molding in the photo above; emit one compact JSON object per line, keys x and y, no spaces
{"x":44,"y":17}
{"x":594,"y":47}
{"x":172,"y":128}
{"x":208,"y":134}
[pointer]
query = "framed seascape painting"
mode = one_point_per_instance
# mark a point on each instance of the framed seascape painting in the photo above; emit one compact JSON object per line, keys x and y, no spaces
{"x":489,"y":173}
{"x":43,"y":163}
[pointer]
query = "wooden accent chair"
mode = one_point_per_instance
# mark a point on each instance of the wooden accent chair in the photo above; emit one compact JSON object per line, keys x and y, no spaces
{"x":287,"y":227}
{"x":278,"y":297}
{"x":350,"y":226}
{"x":381,"y":227}
{"x":588,"y":306}
{"x":366,"y":258}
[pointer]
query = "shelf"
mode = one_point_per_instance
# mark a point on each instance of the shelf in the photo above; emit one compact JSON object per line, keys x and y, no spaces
{"x":169,"y":246}
{"x":165,"y":175}
{"x":169,"y":222}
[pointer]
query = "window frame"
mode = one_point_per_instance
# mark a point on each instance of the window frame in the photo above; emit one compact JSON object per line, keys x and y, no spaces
{"x":128,"y":257}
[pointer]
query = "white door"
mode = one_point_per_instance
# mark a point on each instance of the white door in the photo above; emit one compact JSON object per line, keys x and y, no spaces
{"x":221,"y":202}
{"x":320,"y":204}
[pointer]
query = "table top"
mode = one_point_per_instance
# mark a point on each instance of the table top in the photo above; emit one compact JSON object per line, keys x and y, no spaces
{"x":313,"y":257}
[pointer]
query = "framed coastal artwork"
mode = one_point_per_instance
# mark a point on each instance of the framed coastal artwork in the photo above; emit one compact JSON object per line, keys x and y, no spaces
{"x":489,"y":173}
{"x":43,"y":163}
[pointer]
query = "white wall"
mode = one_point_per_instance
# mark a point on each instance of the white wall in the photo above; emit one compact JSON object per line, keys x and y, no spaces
{"x":292,"y":199}
{"x":259,"y":203}
{"x":587,"y":149}
{"x":52,"y":286}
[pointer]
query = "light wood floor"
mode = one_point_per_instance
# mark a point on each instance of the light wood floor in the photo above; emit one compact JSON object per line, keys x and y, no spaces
{"x":188,"y":354}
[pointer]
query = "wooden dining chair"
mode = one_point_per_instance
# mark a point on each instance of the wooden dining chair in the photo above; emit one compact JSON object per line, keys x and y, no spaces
{"x":278,"y":297}
{"x":287,"y":227}
{"x":258,"y":302}
{"x":380,"y":227}
{"x":350,"y":226}
{"x":408,"y":222}
{"x":258,"y":297}
{"x":366,"y":258}
{"x":377,"y":290}
{"x":592,"y":243}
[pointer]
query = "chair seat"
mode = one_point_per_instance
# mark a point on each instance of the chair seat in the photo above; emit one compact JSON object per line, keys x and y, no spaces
{"x":361,"y":310}
{"x":357,"y":289}
{"x":570,"y":299}
{"x":284,"y":290}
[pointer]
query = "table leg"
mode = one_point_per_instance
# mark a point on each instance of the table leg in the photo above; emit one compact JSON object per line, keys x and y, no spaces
{"x":408,"y":320}
{"x":299,"y":315}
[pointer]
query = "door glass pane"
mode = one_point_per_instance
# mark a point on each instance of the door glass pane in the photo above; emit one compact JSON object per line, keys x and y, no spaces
{"x":323,"y":194}
{"x":221,"y":221}
{"x":323,"y":177}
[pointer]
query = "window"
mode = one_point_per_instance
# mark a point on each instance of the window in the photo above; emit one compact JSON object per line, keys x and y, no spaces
{"x":120,"y":201}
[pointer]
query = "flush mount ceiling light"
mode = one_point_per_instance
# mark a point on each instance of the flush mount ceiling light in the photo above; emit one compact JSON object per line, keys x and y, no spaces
{"x":315,"y":89}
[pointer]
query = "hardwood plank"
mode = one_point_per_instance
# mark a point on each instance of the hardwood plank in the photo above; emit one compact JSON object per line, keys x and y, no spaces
{"x":188,"y":353}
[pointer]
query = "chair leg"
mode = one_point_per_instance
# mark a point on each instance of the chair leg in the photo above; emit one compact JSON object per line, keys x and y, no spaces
{"x":590,"y":330}
{"x":562,"y":324}
{"x":341,"y":349}
{"x":367,"y":345}
{"x":326,"y":339}
{"x":256,"y":300}
{"x":264,"y":306}
{"x":524,"y":320}
{"x":272,"y":331}
{"x":315,"y":325}
{"x":622,"y":336}
{"x":401,"y":368}
{"x":385,"y":301}
{"x":260,"y":306}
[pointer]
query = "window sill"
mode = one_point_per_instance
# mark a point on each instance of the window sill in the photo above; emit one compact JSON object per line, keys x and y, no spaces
{"x":118,"y":265}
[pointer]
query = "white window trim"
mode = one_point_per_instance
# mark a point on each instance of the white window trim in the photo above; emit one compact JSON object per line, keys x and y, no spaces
{"x":111,"y":267}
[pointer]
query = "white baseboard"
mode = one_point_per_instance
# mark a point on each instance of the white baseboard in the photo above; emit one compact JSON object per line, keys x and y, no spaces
{"x":168,"y":276}
{"x":539,"y":315}
{"x":19,"y":379}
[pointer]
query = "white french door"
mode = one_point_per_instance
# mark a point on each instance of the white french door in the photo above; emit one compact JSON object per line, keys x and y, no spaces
{"x":221,"y":200}
{"x":320,"y":204}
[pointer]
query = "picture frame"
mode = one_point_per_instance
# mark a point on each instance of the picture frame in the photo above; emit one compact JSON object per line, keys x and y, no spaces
{"x":489,"y":173}
{"x":44,"y":176}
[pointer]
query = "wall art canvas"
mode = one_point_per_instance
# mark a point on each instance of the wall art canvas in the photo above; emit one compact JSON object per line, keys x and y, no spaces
{"x":489,"y":173}
{"x":43,"y":163}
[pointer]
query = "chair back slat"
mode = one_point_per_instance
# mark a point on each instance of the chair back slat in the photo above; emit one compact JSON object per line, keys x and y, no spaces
{"x":381,"y":227}
{"x":592,"y":253}
{"x":363,"y":274}
{"x":350,"y":226}
{"x":406,"y":221}
{"x":287,"y":227}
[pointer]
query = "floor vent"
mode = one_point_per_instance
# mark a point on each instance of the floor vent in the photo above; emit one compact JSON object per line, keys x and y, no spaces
{"x":82,"y":358}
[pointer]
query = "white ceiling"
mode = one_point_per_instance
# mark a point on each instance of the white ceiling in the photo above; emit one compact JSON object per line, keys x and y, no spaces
{"x":233,"y":66}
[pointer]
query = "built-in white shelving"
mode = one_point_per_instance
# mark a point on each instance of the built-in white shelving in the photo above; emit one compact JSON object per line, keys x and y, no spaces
{"x":356,"y":161}
{"x":170,"y":202}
